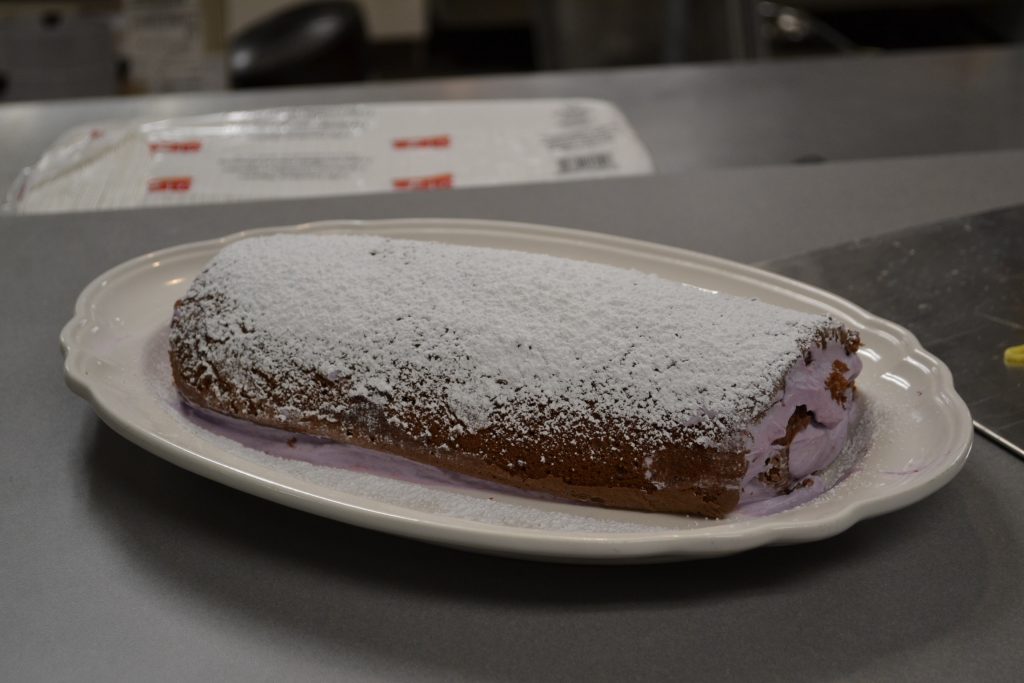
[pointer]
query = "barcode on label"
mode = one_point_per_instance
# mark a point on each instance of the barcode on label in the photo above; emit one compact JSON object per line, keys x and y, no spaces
{"x":590,"y":162}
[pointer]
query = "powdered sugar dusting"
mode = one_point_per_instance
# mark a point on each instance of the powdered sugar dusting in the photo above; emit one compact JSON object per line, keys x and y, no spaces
{"x":492,"y":338}
{"x":451,"y":499}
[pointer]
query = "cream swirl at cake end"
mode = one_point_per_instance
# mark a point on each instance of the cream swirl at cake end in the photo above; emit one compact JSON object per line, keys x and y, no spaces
{"x":580,"y":379}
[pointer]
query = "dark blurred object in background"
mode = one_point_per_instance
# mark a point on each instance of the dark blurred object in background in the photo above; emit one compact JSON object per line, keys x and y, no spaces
{"x":808,"y":27}
{"x":597,"y":33}
{"x":316,"y":42}
{"x":518,"y":35}
{"x":71,"y":48}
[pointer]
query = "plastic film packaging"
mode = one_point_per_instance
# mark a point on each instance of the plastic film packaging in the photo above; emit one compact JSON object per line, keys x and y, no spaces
{"x":329,"y":150}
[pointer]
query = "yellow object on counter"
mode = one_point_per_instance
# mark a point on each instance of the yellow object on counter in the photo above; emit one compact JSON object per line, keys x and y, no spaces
{"x":1014,"y":356}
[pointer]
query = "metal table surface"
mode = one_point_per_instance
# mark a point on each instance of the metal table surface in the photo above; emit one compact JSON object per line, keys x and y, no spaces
{"x":959,"y":286}
{"x":690,"y":116}
{"x":119,"y":566}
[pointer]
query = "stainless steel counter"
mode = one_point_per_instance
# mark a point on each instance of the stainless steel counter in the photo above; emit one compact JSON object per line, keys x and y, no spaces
{"x":118,"y":566}
{"x":959,"y":286}
{"x":690,"y":116}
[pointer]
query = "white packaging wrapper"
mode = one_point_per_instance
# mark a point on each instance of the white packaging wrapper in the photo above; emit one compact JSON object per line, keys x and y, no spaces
{"x":329,"y":150}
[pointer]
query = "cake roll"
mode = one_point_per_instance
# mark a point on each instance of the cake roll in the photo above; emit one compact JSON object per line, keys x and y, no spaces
{"x":581,"y":380}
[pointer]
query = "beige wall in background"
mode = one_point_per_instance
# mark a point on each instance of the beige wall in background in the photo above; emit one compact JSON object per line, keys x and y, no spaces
{"x":386,"y":20}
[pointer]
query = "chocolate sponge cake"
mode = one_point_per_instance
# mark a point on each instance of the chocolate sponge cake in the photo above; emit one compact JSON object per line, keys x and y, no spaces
{"x":582,"y":380}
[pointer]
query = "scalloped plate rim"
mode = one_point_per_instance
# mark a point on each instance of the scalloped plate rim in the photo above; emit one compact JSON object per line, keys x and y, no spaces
{"x":658,"y":545}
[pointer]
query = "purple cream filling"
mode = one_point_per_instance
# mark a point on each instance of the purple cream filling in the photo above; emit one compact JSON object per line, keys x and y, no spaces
{"x":326,"y":453}
{"x":815,"y":447}
{"x":812,"y":450}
